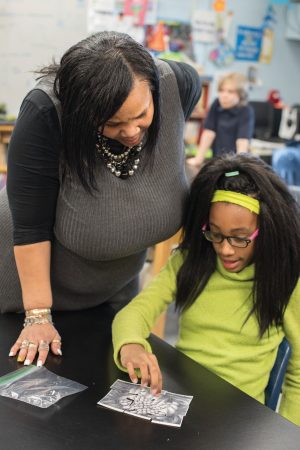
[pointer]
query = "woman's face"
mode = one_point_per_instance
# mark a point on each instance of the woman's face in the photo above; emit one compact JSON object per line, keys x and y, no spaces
{"x":131,"y":121}
{"x":233,"y":220}
{"x":228,"y":95}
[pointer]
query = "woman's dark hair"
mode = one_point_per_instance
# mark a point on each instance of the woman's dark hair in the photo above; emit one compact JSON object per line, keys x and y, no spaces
{"x":92,"y":81}
{"x":277,"y":247}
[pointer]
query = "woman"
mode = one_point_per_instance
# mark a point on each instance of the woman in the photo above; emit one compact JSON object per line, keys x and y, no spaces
{"x":229,"y":125}
{"x":235,"y":280}
{"x":95,"y":176}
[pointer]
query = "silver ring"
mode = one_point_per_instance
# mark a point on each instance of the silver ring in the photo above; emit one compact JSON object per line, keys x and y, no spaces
{"x":43,"y":345}
{"x":32,"y":345}
{"x":25,"y":344}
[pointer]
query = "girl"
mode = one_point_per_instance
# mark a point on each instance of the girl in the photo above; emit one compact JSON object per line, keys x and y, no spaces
{"x":235,"y":281}
{"x":229,"y":125}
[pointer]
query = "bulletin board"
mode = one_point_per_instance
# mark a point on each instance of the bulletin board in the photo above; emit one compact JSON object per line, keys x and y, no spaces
{"x":32,"y":32}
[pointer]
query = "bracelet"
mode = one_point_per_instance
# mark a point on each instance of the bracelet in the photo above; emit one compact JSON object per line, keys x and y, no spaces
{"x":39,"y":320}
{"x":38,"y":312}
{"x":37,"y":316}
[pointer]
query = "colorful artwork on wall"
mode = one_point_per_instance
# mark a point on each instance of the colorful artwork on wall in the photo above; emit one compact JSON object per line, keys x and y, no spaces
{"x":248,"y":43}
{"x":137,"y":9}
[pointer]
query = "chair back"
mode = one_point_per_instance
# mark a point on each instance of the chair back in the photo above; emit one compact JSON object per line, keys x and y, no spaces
{"x":295,"y":191}
{"x":273,"y":389}
{"x":286,"y":163}
{"x":264,"y":119}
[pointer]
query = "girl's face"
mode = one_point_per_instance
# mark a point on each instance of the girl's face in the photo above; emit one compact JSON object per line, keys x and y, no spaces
{"x":233,"y":220}
{"x":131,"y":121}
{"x":228,"y":95}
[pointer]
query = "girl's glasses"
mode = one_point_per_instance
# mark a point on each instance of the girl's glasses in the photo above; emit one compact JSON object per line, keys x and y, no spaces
{"x":235,"y":241}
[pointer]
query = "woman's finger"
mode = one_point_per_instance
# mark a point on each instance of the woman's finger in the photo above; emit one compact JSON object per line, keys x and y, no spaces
{"x":31,"y":353}
{"x":43,"y":350}
{"x":23,"y":350}
{"x":56,"y":345}
{"x":15,"y":348}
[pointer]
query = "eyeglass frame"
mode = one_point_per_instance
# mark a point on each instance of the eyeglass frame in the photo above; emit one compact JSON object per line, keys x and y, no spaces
{"x":247,"y":240}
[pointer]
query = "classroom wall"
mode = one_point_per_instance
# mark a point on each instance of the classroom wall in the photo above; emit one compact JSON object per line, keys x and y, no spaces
{"x":284,"y":69}
{"x":33,"y":31}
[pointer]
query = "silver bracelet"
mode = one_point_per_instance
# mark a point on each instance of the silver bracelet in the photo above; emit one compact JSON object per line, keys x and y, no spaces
{"x":38,"y":320}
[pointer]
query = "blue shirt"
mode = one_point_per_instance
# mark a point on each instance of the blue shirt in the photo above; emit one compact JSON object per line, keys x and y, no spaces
{"x":229,"y":125}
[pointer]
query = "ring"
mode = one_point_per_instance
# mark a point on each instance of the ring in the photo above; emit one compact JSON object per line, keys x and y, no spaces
{"x":25,"y":343}
{"x":32,"y":345}
{"x":43,"y":345}
{"x":56,"y":341}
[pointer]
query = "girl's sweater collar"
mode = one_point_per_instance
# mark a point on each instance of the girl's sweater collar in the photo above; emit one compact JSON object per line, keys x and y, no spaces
{"x":247,"y":274}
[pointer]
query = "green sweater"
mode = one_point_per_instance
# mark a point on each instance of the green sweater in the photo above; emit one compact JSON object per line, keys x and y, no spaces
{"x":214,"y":333}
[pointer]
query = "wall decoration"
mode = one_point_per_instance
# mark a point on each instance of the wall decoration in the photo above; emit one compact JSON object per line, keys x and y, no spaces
{"x":219,"y":5}
{"x":279,"y":2}
{"x":172,"y":37}
{"x":268,"y":36}
{"x":151,"y":13}
{"x":204,"y":26}
{"x":100,"y":15}
{"x":137,"y":9}
{"x":223,"y":55}
{"x":248,"y":43}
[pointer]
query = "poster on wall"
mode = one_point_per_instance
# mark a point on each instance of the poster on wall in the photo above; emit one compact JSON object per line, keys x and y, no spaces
{"x":151,"y":13}
{"x":267,"y":46}
{"x":204,"y":26}
{"x":174,"y":37}
{"x":248,"y":43}
{"x":137,"y":9}
{"x":100,"y":15}
{"x":219,"y":5}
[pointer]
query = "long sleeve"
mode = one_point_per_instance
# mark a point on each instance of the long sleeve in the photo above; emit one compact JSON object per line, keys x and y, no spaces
{"x":290,"y":403}
{"x":33,"y":161}
{"x":189,"y":85}
{"x":132,"y":325}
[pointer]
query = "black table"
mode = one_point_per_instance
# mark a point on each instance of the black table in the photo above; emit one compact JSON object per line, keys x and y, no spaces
{"x":220,"y":416}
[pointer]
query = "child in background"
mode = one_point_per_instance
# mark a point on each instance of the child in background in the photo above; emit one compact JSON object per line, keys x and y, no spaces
{"x":229,"y":125}
{"x":235,"y":281}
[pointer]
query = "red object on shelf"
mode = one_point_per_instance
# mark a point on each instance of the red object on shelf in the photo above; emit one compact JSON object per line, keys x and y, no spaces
{"x":274,"y":97}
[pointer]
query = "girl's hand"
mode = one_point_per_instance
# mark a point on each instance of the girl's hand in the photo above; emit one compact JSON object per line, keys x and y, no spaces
{"x":36,"y":339}
{"x":195,"y":162}
{"x":134,"y":356}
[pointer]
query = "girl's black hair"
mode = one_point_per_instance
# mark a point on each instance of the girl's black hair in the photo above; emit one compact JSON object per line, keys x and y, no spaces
{"x":92,"y":81}
{"x":277,"y":247}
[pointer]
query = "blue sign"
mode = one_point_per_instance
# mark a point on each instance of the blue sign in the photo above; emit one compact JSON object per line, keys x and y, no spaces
{"x":248,"y":43}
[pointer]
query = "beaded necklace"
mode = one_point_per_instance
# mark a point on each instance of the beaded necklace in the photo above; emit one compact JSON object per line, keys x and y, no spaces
{"x":122,"y":165}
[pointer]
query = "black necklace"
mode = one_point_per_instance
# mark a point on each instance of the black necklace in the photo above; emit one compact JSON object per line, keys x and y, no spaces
{"x":122,"y":165}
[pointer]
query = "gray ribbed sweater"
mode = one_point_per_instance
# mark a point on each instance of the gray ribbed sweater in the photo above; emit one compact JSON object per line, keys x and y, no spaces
{"x":101,"y":240}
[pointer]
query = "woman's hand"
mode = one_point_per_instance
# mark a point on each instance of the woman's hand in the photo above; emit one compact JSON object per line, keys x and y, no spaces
{"x":36,"y":339}
{"x":134,"y":356}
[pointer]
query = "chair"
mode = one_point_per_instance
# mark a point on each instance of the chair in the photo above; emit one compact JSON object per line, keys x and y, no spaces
{"x":286,"y":163}
{"x":273,"y":389}
{"x":264,"y":119}
{"x":295,"y":191}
